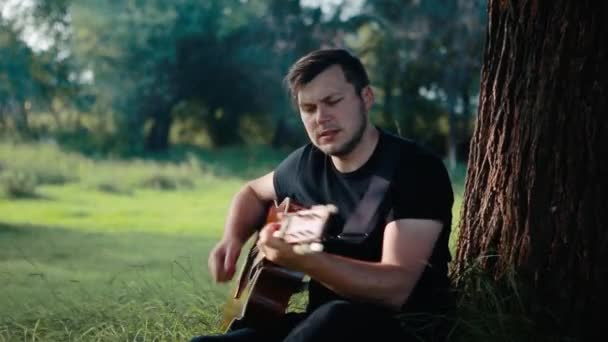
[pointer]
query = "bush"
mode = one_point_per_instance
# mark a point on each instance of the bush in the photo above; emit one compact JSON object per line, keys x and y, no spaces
{"x":18,"y":184}
{"x":114,"y":188}
{"x":165,"y":182}
{"x":44,"y":162}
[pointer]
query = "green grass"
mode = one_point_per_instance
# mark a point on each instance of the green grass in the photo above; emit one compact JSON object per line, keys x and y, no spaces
{"x":116,"y":250}
{"x":86,"y":265}
{"x":112,"y":249}
{"x":64,"y":284}
{"x":198,"y":211}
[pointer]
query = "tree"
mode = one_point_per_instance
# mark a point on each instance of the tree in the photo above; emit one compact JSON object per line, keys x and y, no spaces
{"x":32,"y":79}
{"x":536,"y":190}
{"x":425,"y":57}
{"x":461,"y":39}
{"x":132,"y":48}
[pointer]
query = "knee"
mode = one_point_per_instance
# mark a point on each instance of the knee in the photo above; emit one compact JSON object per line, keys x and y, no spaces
{"x":206,"y":338}
{"x":332,"y":321}
{"x":199,"y":339}
{"x":337,"y":309}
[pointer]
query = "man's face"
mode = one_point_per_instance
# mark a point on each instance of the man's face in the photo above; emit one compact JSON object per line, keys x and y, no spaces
{"x":333,"y":114}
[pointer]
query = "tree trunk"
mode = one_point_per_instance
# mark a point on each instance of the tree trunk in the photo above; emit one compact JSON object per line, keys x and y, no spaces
{"x":278,"y":137}
{"x":158,"y":137}
{"x":406,"y":124}
{"x":387,"y":106}
{"x":536,"y":193}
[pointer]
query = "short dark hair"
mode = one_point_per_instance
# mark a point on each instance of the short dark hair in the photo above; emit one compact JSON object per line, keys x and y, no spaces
{"x":315,"y":62}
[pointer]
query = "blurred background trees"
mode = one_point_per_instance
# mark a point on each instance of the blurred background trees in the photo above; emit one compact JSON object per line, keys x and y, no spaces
{"x":133,"y":76}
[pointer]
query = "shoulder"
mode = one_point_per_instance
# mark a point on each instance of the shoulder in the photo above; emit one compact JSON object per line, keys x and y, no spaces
{"x":294,"y":168}
{"x":411,"y":152}
{"x":296,"y":158}
{"x":418,"y":166}
{"x":422,"y":187}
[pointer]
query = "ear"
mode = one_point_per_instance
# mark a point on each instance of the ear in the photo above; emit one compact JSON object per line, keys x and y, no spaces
{"x":367,"y":94}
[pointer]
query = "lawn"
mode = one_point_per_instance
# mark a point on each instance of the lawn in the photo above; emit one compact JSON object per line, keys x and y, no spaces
{"x":114,"y":250}
{"x":78,"y":264}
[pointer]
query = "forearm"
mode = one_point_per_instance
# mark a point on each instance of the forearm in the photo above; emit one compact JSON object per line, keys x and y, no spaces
{"x":246,"y":213}
{"x":387,"y":285}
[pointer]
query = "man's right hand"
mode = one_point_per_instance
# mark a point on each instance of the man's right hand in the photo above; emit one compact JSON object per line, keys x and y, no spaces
{"x":223,"y":258}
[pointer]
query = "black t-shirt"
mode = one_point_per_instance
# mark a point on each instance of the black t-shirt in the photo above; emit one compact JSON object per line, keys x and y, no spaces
{"x":420,"y":189}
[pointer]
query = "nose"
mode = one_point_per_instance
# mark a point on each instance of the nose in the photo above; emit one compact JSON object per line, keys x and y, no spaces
{"x":322,"y":116}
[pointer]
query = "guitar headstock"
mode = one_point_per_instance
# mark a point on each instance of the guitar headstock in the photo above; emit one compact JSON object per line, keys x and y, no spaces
{"x":304,"y":228}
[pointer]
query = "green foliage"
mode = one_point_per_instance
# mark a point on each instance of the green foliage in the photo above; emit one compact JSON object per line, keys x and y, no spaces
{"x":492,"y":309}
{"x":140,"y":65}
{"x":24,"y":168}
{"x":423,"y":58}
{"x":17,"y":185}
{"x":31,"y":80}
{"x":162,"y":182}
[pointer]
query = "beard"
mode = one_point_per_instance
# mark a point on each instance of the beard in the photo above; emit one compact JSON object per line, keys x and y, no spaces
{"x":349,"y":146}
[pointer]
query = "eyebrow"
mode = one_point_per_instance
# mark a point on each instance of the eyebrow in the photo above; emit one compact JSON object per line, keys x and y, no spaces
{"x":326,"y":98}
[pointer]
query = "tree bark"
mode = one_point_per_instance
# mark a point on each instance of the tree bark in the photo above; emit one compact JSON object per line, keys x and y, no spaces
{"x":536,"y":194}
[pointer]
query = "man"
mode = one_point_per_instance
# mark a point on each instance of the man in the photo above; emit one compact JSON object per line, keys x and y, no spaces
{"x":356,"y":290}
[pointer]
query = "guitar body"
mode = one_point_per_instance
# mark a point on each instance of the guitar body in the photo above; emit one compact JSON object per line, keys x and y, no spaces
{"x":263,"y":289}
{"x":263,"y":298}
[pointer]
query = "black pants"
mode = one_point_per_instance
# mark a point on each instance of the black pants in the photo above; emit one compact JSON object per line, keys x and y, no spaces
{"x":334,"y":321}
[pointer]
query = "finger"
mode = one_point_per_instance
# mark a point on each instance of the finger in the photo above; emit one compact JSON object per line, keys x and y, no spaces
{"x":316,"y":247}
{"x":272,"y":227}
{"x":215,"y":264}
{"x":297,"y":249}
{"x":275,"y":243}
{"x":263,"y":246}
{"x":301,"y":249}
{"x":230,"y":261}
{"x":266,"y":234}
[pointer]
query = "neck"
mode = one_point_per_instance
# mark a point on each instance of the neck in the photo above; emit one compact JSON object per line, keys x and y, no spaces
{"x":360,"y":154}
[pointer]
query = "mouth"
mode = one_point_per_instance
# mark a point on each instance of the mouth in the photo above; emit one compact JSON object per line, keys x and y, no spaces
{"x":328,"y":134}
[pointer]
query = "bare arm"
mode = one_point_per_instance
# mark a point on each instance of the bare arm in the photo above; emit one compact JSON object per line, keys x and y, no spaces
{"x":407,"y":246}
{"x":247,"y":211}
{"x":248,"y":208}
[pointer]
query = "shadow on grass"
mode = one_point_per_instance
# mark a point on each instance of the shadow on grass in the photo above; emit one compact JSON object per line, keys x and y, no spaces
{"x":66,"y":256}
{"x":93,"y":248}
{"x":30,"y":196}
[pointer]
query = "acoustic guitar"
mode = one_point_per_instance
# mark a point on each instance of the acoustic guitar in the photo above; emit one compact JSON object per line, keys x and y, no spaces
{"x":263,"y":289}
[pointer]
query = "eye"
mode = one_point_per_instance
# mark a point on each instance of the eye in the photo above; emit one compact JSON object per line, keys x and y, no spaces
{"x":332,"y":102}
{"x":307,"y":108}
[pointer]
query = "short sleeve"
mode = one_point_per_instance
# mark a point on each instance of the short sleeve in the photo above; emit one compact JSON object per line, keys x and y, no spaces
{"x":422,"y":189}
{"x":285,"y":174}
